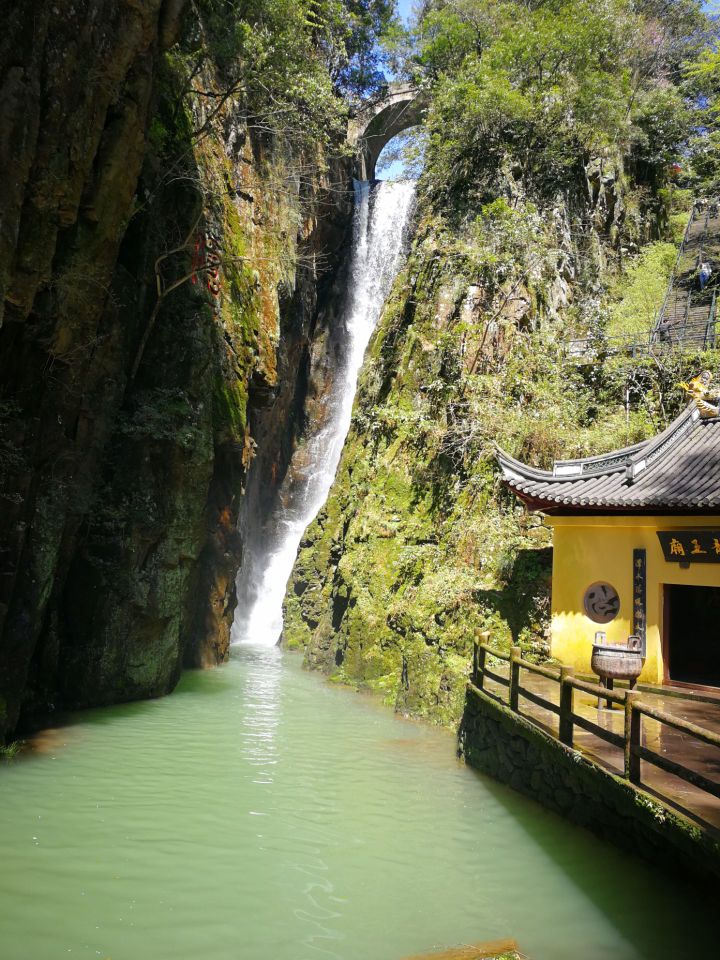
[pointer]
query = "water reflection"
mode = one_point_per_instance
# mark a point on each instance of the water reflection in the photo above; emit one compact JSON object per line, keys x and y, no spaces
{"x":316,"y":915}
{"x":295,"y":832}
{"x":265,"y":813}
{"x":260,"y":714}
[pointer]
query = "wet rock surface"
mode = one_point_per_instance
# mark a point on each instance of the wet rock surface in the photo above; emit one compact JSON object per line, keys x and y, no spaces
{"x":514,"y":751}
{"x":417,"y":548}
{"x":127,"y":431}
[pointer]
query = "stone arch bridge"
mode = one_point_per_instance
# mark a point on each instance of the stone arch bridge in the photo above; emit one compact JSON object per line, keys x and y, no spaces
{"x":378,"y":121}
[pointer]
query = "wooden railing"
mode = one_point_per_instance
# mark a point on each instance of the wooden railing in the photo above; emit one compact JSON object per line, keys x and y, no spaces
{"x":630,"y":741}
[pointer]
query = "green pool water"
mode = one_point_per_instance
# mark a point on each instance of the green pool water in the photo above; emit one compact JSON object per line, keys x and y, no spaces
{"x":261,"y":813}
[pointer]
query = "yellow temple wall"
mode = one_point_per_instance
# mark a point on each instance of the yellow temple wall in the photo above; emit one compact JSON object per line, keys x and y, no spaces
{"x":588,"y":549}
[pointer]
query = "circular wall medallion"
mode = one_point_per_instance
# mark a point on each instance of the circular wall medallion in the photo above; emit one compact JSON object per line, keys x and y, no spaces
{"x":601,"y":602}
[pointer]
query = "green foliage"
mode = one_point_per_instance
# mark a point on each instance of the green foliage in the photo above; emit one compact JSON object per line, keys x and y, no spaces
{"x":703,"y":80}
{"x":704,"y":72}
{"x":662,"y":122}
{"x":508,"y":245}
{"x":640,"y":292}
{"x":678,"y":202}
{"x":533,"y":89}
{"x":11,"y":751}
{"x":364,"y":22}
{"x":292,"y":61}
{"x":543,"y":86}
{"x":706,"y":161}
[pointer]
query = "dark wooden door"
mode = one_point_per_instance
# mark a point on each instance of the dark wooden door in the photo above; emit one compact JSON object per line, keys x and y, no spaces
{"x":691,"y":644}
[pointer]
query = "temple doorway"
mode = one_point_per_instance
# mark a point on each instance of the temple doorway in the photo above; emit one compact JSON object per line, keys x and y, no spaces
{"x":692,"y":634}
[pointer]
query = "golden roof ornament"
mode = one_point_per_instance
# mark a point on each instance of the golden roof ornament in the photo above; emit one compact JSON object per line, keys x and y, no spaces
{"x":707,"y":398}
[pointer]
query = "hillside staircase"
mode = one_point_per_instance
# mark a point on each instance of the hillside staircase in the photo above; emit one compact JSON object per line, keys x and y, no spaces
{"x":687,"y":320}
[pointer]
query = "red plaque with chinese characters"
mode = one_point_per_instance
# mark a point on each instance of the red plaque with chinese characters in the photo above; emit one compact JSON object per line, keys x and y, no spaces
{"x":690,"y":546}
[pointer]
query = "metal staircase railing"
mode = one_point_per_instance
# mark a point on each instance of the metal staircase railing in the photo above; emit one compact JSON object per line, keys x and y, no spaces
{"x":674,"y":325}
{"x":694,"y":335}
{"x":678,"y":258}
{"x":687,"y":314}
{"x":710,"y":332}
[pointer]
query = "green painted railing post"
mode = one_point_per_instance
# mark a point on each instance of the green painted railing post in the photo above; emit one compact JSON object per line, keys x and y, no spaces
{"x":633,"y":734}
{"x":567,"y":697}
{"x":514,"y":694}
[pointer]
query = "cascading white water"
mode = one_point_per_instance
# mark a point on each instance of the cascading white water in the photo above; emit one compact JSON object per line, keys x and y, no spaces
{"x":380,"y":220}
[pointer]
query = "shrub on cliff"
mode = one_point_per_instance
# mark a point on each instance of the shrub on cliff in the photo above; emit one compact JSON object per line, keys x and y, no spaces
{"x":534,"y":89}
{"x":294,"y":64}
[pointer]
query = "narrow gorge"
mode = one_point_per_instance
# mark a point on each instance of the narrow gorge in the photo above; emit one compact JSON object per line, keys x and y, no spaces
{"x":171,"y":301}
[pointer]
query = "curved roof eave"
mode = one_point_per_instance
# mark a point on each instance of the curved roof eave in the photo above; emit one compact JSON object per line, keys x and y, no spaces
{"x":677,"y":469}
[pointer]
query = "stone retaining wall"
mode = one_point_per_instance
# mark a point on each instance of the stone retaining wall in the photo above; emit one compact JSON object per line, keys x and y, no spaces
{"x":513,"y":750}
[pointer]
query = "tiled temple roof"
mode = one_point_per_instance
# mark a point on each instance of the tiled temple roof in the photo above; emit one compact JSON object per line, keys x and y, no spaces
{"x":679,"y":471}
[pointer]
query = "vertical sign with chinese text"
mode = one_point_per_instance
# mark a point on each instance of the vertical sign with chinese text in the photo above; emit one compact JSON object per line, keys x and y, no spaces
{"x":639,"y":593}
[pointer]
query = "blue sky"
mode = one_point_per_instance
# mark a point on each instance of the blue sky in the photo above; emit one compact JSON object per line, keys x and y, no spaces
{"x":405,"y":8}
{"x":396,"y":170}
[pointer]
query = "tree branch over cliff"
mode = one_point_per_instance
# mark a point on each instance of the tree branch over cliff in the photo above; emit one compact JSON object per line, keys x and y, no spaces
{"x":164,"y":287}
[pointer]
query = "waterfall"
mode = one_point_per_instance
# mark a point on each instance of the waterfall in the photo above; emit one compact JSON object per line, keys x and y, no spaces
{"x":379,"y":227}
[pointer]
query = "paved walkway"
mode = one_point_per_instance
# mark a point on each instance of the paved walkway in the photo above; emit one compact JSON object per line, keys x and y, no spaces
{"x":677,"y":746}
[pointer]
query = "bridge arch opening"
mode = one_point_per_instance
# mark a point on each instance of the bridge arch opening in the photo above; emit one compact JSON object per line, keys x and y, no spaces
{"x":403,"y":157}
{"x":378,"y":122}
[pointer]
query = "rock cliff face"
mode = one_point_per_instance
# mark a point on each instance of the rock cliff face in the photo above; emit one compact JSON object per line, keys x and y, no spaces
{"x":419,"y":547}
{"x":153,"y":312}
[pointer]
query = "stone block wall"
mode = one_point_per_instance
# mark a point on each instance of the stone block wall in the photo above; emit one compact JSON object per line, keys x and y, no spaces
{"x":513,"y":750}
